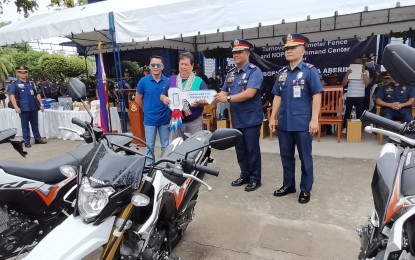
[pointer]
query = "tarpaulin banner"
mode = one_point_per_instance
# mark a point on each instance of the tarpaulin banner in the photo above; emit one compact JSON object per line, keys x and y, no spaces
{"x":327,"y":56}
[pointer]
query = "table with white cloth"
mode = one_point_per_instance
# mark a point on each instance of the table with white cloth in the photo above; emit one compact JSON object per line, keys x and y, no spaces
{"x":50,"y":120}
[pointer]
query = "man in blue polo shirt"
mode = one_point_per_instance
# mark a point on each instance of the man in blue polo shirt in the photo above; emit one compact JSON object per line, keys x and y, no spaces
{"x":156,"y":114}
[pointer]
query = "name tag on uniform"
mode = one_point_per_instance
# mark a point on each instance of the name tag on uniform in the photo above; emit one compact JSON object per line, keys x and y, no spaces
{"x":31,"y":92}
{"x":297,"y":91}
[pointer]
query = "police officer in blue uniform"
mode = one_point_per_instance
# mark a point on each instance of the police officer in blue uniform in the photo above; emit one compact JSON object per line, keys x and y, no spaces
{"x":55,"y":90}
{"x":297,"y":91}
{"x":242,"y":89}
{"x":42,"y":87}
{"x":26,"y":102}
{"x":396,"y":100}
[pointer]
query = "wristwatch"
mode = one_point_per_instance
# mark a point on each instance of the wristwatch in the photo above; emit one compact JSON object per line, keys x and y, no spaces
{"x":228,"y":98}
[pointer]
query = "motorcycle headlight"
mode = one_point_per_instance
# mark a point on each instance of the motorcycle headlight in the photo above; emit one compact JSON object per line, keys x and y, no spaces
{"x":91,"y":201}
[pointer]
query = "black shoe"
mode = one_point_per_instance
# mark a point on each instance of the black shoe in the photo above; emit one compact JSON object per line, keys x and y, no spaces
{"x":252,"y":186}
{"x":239,"y":182}
{"x":27,"y":145}
{"x":284,"y":191}
{"x":40,"y":141}
{"x":304,"y":197}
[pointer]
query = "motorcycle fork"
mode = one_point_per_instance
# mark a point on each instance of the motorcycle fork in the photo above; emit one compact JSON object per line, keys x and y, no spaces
{"x":117,"y":233}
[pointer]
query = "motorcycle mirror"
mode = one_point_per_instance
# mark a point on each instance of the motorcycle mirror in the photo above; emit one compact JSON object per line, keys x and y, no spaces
{"x":68,"y":170}
{"x":399,"y":61}
{"x":18,"y":146}
{"x":140,"y":200}
{"x":225,"y":138}
{"x":6,"y":135}
{"x":77,"y":89}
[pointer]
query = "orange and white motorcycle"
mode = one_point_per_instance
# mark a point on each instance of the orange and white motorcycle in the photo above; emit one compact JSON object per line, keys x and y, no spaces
{"x":136,"y":211}
{"x":390,"y":231}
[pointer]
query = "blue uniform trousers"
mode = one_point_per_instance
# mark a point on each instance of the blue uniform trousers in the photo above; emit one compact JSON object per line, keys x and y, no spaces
{"x":288,"y":141}
{"x":25,"y":118}
{"x":404,"y":115}
{"x":248,"y":154}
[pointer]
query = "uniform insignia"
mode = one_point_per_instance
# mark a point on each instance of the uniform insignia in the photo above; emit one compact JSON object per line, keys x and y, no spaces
{"x":289,"y":38}
{"x":230,"y":79}
{"x":20,"y":85}
{"x":252,"y":66}
{"x":239,"y":82}
{"x":302,"y":82}
{"x":245,"y":81}
{"x":389,"y":89}
{"x":283,"y":76}
{"x":300,"y":75}
{"x":404,"y":88}
{"x":235,"y":42}
{"x":244,"y":76}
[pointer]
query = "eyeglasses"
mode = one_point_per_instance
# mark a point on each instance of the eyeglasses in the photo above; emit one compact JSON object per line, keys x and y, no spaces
{"x":158,"y":65}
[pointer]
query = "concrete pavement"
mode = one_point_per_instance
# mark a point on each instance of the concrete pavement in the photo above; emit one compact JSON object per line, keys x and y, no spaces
{"x":233,"y":224}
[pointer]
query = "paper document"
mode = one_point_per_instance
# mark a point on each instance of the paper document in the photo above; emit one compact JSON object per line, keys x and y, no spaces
{"x":356,"y":71}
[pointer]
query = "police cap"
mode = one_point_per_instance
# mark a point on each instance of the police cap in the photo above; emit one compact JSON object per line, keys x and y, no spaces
{"x":146,"y":68}
{"x":294,"y":39}
{"x":240,"y":45}
{"x":22,"y":68}
{"x":126,"y":71}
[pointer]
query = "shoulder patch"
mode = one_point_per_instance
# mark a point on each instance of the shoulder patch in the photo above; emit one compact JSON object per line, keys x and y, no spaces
{"x":308,"y":65}
{"x":252,"y":66}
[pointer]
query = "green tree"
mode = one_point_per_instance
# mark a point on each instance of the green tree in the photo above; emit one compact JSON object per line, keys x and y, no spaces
{"x":67,"y":3}
{"x":6,"y":67}
{"x":25,"y":6}
{"x":76,"y":66}
{"x":132,"y":66}
{"x":31,"y":6}
{"x":53,"y":65}
{"x":30,"y":59}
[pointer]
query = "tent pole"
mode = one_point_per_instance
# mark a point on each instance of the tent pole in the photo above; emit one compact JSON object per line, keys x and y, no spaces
{"x":117,"y":64}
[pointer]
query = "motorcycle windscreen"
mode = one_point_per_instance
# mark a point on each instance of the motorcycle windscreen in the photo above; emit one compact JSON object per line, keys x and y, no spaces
{"x":382,"y":182}
{"x":104,"y":167}
{"x":399,"y":61}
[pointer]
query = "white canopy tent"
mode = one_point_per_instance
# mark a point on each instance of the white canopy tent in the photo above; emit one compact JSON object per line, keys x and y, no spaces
{"x":201,"y":24}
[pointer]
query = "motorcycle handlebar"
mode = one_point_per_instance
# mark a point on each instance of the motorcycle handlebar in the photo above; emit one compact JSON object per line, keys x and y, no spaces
{"x":208,"y":170}
{"x":78,"y":122}
{"x":382,"y":122}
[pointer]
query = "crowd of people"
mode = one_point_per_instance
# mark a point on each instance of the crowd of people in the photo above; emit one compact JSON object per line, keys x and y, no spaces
{"x":295,"y":99}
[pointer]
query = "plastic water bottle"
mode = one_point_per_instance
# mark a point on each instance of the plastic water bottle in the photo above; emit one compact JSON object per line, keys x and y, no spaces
{"x":353,"y":114}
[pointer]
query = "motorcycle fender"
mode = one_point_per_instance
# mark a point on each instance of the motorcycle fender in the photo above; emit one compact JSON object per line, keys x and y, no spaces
{"x":395,"y":238}
{"x":73,"y":239}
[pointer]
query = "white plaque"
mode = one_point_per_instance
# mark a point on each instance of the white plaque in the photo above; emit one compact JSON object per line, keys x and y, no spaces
{"x":178,"y":97}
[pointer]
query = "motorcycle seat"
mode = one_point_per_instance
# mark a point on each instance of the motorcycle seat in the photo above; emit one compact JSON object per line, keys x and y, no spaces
{"x":45,"y":171}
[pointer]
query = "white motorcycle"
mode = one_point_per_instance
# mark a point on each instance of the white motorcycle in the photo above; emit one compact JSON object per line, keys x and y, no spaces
{"x":135,"y":211}
{"x":390,"y":231}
